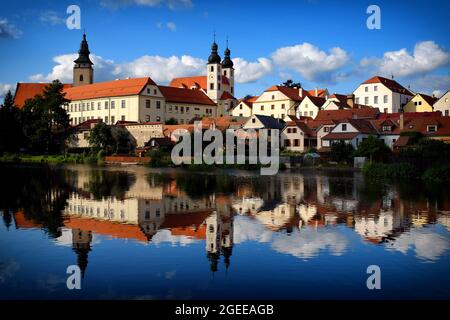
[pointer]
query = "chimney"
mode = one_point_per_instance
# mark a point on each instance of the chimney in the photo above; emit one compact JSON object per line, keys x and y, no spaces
{"x":317,"y":92}
{"x":300,"y":92}
{"x":402,"y":121}
{"x":351,"y":100}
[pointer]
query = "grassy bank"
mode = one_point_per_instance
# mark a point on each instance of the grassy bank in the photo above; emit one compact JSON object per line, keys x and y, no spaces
{"x":52,"y":159}
{"x":436,"y":173}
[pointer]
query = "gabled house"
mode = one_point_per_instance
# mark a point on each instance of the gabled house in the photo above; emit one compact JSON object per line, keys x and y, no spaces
{"x":388,"y":131}
{"x":420,"y":103}
{"x":443,"y":104}
{"x":310,"y":106}
{"x":382,"y":93}
{"x":298,"y":137}
{"x":352,"y":131}
{"x":244,"y":107}
{"x":258,"y":122}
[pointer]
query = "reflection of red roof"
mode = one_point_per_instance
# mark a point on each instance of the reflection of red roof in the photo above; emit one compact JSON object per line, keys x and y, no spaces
{"x":23,"y":222}
{"x":25,"y":91}
{"x":197,"y":233}
{"x":110,"y":228}
{"x":183,"y":220}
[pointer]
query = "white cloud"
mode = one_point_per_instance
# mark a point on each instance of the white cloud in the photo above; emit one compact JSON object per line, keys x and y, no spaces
{"x":311,"y":62}
{"x":251,"y":71}
{"x":51,"y":17}
{"x":8,"y":30}
{"x":425,"y":243}
{"x":171,"y":4}
{"x":165,"y":236}
{"x":4,"y":88}
{"x":432,"y":84}
{"x":427,"y":56}
{"x":169,"y":25}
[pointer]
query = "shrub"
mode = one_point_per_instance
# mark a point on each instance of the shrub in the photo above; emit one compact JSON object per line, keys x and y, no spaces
{"x":395,"y":170}
{"x":437,"y":174}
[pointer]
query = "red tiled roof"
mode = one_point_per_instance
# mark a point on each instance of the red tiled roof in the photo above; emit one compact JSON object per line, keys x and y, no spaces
{"x":340,"y":97}
{"x":421,"y":125}
{"x":363,"y":126}
{"x":86,"y":125}
{"x":320,"y":93}
{"x":177,"y":220}
{"x":337,"y":115}
{"x":25,"y":91}
{"x":198,"y":81}
{"x":115,"y":88}
{"x":181,"y":95}
{"x":409,"y":115}
{"x":340,"y":136}
{"x":226,"y":95}
{"x":291,"y":93}
{"x":318,"y":101}
{"x":301,"y":125}
{"x":390,"y":84}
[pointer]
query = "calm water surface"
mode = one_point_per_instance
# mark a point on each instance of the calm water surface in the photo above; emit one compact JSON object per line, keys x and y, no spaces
{"x":138,"y":233}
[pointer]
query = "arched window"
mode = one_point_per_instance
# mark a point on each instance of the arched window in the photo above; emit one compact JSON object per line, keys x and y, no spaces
{"x":81,"y":77}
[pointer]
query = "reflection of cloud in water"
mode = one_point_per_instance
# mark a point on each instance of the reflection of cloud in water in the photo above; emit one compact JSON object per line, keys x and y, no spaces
{"x":308,"y":242}
{"x":65,"y":239}
{"x":250,"y":230}
{"x":7,"y":269}
{"x":426,"y":243}
{"x":166,"y":236}
{"x":302,"y":244}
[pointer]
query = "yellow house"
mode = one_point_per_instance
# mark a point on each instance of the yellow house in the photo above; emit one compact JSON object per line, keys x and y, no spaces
{"x":420,"y":103}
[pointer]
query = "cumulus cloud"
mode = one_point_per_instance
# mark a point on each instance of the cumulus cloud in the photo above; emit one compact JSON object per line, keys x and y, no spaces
{"x":51,"y":17}
{"x":251,"y":71}
{"x":165,"y":236}
{"x":8,"y":30}
{"x":171,"y":4}
{"x":4,"y":88}
{"x":427,"y":56}
{"x":425,"y":243}
{"x":311,"y":62}
{"x":432,"y":84}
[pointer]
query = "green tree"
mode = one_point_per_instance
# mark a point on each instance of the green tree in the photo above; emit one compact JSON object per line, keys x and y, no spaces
{"x":341,"y":151}
{"x":171,"y":121}
{"x":44,"y":120}
{"x":11,"y":136}
{"x":291,"y":84}
{"x":372,"y":147}
{"x":101,"y":138}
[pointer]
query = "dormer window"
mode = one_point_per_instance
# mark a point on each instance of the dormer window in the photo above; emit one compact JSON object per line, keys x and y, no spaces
{"x":386,"y":128}
{"x":432,"y":128}
{"x":344,"y":127}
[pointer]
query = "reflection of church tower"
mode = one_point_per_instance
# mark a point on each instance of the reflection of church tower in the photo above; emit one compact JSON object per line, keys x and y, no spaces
{"x":219,"y":238}
{"x":81,"y":244}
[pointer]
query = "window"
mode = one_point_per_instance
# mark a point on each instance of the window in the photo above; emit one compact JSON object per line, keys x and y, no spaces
{"x":385,"y":110}
{"x":287,"y":143}
{"x":241,"y":115}
{"x":326,"y":129}
{"x":113,"y":104}
{"x":99,"y":105}
{"x":155,"y":92}
{"x":294,"y":130}
{"x":113,"y":119}
{"x":283,"y":106}
{"x":366,"y":100}
{"x":212,"y":69}
{"x":375,"y":88}
{"x":344,"y":127}
{"x":446,"y":113}
{"x":262,"y":108}
{"x":123,"y":103}
{"x":311,"y":113}
{"x":158,"y":119}
{"x":182,"y":109}
{"x":123,"y":118}
{"x":375,"y":100}
{"x":296,"y":142}
{"x":106,"y":104}
{"x":147,"y":104}
{"x":218,"y":86}
{"x":282,"y":116}
{"x":386,"y":128}
{"x":106,"y":119}
{"x":81,"y":78}
{"x":187,"y":109}
{"x":86,"y":135}
{"x":225,"y":73}
{"x":148,"y":90}
{"x":357,"y":100}
{"x":306,"y":106}
{"x":366,"y":89}
{"x":272,"y":107}
{"x":385,"y":99}
{"x":211,"y":86}
{"x":273,"y":97}
{"x":158,"y":104}
{"x":253,"y":120}
{"x":432,"y":128}
{"x":147,"y":118}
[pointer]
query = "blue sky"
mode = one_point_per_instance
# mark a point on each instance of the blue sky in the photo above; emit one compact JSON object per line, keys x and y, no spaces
{"x":317,"y":42}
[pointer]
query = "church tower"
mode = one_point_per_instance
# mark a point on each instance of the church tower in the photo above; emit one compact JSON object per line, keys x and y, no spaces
{"x":214,"y":78}
{"x":83,"y":73}
{"x":227,"y":68}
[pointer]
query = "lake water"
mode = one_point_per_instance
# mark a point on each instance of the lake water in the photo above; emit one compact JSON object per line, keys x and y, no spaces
{"x":140,"y":233}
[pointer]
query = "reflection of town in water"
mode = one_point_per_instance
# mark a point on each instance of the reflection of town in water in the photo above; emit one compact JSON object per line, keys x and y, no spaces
{"x":297,"y":214}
